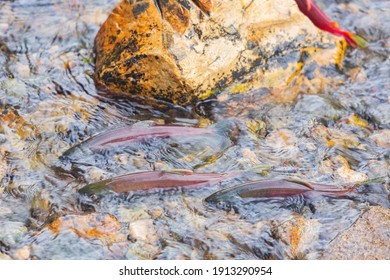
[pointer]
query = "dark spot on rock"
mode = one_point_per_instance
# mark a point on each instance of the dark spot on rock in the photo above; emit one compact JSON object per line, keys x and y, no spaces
{"x":256,"y":63}
{"x":140,"y":8}
{"x":185,"y":4}
{"x":221,"y":84}
{"x":112,"y":39}
{"x":251,"y":45}
{"x":238,"y":73}
{"x":133,"y":60}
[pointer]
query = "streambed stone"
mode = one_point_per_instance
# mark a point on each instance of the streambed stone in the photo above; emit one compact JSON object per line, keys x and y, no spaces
{"x":367,"y":239}
{"x":11,"y":233}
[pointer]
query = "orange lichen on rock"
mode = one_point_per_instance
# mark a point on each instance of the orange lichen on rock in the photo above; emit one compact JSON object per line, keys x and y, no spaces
{"x":95,"y":225}
{"x":296,"y":229}
{"x":132,"y":52}
{"x":334,"y":137}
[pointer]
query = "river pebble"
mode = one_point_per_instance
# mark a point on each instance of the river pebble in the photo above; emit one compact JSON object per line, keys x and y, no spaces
{"x":382,"y":138}
{"x":4,"y":257}
{"x":143,"y":230}
{"x":22,"y":253}
{"x":95,"y":226}
{"x":12,"y":232}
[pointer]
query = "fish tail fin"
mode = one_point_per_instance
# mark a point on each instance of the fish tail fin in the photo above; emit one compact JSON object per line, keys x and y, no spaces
{"x":355,"y":40}
{"x":381,"y":179}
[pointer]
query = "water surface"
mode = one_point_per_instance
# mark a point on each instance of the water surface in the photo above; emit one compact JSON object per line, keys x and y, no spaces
{"x":49,"y":103}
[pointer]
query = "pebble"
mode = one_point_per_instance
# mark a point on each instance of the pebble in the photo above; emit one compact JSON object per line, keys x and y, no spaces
{"x":300,"y":235}
{"x":347,"y":174}
{"x":339,"y":166}
{"x":11,"y":232}
{"x":4,"y":27}
{"x":284,"y":142}
{"x":249,"y":155}
{"x":143,"y":230}
{"x":15,"y":88}
{"x":22,"y":253}
{"x":96,"y":174}
{"x":142,"y":251}
{"x":122,"y":159}
{"x":4,"y":257}
{"x":382,"y":138}
{"x":23,"y":70}
{"x":157,"y":212}
{"x":5,"y":211}
{"x":53,"y":49}
{"x":126,"y":214}
{"x":281,"y":138}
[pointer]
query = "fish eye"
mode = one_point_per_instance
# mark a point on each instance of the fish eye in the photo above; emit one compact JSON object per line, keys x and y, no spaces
{"x":223,"y":205}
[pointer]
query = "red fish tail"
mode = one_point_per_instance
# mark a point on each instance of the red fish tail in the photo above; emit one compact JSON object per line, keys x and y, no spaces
{"x":320,"y":19}
{"x":354,"y":40}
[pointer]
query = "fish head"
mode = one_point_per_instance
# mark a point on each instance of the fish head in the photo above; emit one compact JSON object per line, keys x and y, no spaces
{"x":94,"y":189}
{"x":220,"y":201}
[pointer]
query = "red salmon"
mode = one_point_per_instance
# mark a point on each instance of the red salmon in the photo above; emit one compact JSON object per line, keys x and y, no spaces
{"x":310,"y":9}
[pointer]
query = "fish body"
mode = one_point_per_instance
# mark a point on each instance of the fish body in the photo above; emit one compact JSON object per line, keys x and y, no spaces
{"x":149,"y":180}
{"x":127,"y":134}
{"x":258,"y":189}
{"x":310,"y":9}
{"x":279,"y":188}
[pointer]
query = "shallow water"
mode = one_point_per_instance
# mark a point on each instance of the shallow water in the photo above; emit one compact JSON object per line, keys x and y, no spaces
{"x":48,"y":104}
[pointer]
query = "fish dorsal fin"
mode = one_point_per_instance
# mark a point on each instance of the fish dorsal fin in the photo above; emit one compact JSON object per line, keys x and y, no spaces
{"x":179,"y":171}
{"x":140,"y":171}
{"x":335,"y":24}
{"x":308,"y":4}
{"x":300,"y":182}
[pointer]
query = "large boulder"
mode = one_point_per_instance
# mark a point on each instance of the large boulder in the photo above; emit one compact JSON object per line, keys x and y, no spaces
{"x":183,"y":51}
{"x":367,"y":239}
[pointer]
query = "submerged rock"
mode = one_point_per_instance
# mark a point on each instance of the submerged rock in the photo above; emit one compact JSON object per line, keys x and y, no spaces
{"x":4,"y":257}
{"x":382,"y":138}
{"x":22,"y":253}
{"x":11,"y":233}
{"x":182,"y":52}
{"x":367,"y":239}
{"x":299,"y":236}
{"x":104,"y":227}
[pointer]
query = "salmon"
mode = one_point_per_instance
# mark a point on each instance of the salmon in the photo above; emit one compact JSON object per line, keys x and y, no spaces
{"x":152,"y":180}
{"x":310,"y":9}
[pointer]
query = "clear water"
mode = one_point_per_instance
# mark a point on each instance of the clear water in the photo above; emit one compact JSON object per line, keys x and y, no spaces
{"x":48,"y":104}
